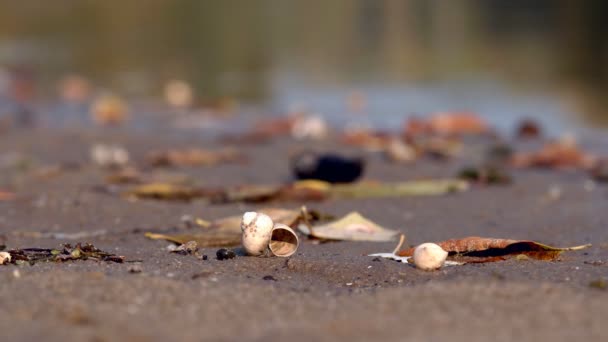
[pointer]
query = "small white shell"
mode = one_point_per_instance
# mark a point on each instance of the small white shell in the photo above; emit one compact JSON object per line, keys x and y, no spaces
{"x":257,"y":230}
{"x":429,"y":256}
{"x":5,"y":258}
{"x":284,"y":241}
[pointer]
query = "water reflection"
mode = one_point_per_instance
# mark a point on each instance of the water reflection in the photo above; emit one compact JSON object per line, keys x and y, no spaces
{"x":403,"y":53}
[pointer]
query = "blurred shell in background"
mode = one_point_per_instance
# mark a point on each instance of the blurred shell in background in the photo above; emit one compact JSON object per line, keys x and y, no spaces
{"x":109,"y":110}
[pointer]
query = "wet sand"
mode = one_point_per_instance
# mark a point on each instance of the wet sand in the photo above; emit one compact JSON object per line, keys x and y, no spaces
{"x":330,"y":291}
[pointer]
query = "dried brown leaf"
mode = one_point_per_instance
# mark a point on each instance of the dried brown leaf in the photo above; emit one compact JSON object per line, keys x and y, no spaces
{"x":478,"y":249}
{"x":194,"y":157}
{"x":564,"y":153}
{"x":353,"y":227}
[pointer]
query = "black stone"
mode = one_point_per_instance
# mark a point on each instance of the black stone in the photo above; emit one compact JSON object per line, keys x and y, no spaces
{"x":331,"y":168}
{"x":269,"y":277}
{"x":224,"y":254}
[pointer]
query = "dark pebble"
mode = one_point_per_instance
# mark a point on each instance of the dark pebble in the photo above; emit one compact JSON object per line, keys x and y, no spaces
{"x":269,"y":277}
{"x":224,"y":254}
{"x":330,"y":168}
{"x":205,"y":257}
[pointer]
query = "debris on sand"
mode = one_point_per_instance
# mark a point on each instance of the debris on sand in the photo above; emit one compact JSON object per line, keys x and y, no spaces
{"x":188,"y":248}
{"x":562,"y":153}
{"x":62,"y":235}
{"x":485,"y":174}
{"x":65,"y":253}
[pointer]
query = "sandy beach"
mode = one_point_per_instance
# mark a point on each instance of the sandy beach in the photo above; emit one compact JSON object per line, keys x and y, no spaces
{"x":329,"y":291}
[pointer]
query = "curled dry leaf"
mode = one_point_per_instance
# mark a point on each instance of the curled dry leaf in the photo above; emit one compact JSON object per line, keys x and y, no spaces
{"x":194,"y":157}
{"x":353,"y":227}
{"x":478,"y":249}
{"x":563,"y":153}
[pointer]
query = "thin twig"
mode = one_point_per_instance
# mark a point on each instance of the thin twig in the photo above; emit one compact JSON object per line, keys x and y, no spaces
{"x":401,"y":241}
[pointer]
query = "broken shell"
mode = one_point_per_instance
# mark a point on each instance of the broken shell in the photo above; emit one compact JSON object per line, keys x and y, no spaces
{"x":284,"y":241}
{"x":429,"y":256}
{"x":5,"y":258}
{"x":257,"y":229}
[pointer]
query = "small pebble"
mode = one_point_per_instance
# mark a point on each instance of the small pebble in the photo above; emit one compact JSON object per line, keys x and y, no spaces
{"x":595,"y":262}
{"x":269,"y":277}
{"x":205,"y":257}
{"x":135,"y":269}
{"x":224,"y":254}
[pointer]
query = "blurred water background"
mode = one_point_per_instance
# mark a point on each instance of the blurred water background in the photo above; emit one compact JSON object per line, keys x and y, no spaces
{"x":504,"y":59}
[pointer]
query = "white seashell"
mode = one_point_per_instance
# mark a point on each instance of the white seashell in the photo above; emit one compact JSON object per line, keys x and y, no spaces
{"x":284,"y":241}
{"x":109,"y":155}
{"x":179,"y":94}
{"x":257,"y":230}
{"x":429,"y":256}
{"x":5,"y":258}
{"x":312,"y":127}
